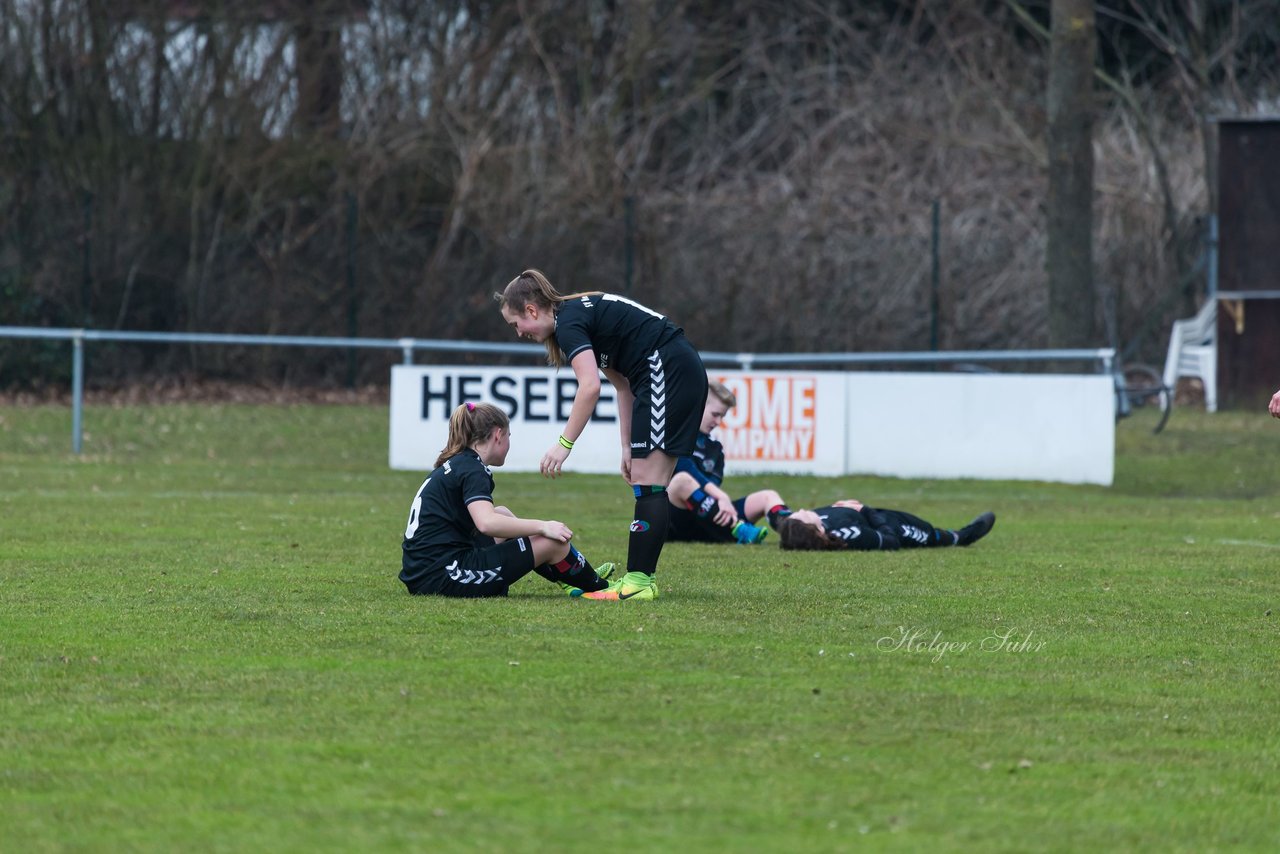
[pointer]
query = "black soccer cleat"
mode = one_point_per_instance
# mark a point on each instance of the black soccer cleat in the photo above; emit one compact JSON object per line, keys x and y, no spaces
{"x":977,"y":529}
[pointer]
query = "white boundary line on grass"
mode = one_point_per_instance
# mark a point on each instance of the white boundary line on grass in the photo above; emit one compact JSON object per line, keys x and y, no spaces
{"x":1250,"y":543}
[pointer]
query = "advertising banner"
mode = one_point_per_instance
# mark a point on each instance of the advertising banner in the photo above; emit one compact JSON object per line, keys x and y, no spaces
{"x":784,"y":422}
{"x":537,"y":400}
{"x":931,"y":425}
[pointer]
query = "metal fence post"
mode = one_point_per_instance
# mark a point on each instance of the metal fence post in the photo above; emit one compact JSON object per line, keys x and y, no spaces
{"x":935,"y":274}
{"x":353,"y":301}
{"x":1212,"y":278}
{"x":77,"y":390}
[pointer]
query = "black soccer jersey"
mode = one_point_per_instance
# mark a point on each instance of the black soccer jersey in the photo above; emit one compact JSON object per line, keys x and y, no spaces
{"x":622,"y":333}
{"x":872,"y":528}
{"x":706,"y":463}
{"x":440,"y":526}
{"x":854,"y":529}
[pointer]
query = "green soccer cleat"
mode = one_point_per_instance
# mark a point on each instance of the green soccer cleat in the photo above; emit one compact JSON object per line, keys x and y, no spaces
{"x":633,"y":585}
{"x":604,"y":570}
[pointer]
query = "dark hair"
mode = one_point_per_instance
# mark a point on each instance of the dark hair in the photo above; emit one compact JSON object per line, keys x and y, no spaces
{"x":802,"y":537}
{"x":532,"y":287}
{"x":470,"y":424}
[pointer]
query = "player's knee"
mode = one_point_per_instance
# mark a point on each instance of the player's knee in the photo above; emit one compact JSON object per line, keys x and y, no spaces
{"x":657,"y":469}
{"x":547,"y":550}
{"x":682,"y":485}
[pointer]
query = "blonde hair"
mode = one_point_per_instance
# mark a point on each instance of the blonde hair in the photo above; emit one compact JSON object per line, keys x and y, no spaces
{"x":470,"y":424}
{"x":721,"y":391}
{"x":532,"y":287}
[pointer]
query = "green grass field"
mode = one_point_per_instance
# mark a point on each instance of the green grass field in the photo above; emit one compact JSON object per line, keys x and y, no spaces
{"x":204,"y":646}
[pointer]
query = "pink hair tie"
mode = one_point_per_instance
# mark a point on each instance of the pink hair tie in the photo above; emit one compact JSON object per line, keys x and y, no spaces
{"x":471,"y":407}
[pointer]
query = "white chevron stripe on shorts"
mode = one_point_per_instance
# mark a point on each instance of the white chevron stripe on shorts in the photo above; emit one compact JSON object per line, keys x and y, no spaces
{"x":915,"y":533}
{"x":658,"y":402}
{"x":468,"y":576}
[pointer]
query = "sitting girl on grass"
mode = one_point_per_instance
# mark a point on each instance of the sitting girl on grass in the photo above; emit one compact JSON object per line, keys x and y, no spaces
{"x":457,"y":543}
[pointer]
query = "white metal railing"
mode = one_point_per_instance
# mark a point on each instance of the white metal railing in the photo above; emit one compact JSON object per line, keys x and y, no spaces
{"x":1102,"y":358}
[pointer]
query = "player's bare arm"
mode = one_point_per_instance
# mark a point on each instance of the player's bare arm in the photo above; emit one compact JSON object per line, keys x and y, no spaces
{"x":502,"y":526}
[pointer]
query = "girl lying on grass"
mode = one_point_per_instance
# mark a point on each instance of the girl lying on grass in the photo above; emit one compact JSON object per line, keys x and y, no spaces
{"x":850,"y":524}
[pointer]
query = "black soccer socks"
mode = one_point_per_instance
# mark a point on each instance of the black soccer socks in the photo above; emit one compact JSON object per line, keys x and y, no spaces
{"x":648,"y":529}
{"x":701,"y":503}
{"x":777,"y":513}
{"x":575,"y":570}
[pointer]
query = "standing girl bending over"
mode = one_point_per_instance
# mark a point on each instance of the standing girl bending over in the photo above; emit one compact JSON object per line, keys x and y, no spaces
{"x":458,"y":544}
{"x":661,"y":386}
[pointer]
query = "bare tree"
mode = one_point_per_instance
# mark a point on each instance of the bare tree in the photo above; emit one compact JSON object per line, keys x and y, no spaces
{"x":781,"y":163}
{"x":1070,"y":97}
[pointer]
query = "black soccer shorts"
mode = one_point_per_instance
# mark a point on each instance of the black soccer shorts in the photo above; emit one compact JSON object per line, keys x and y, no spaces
{"x":669,"y":399}
{"x":481,"y":572}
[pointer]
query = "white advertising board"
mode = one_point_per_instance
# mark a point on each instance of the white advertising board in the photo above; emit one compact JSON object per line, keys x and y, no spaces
{"x":784,"y":421}
{"x":993,"y":426}
{"x":937,"y":425}
{"x":537,"y":400}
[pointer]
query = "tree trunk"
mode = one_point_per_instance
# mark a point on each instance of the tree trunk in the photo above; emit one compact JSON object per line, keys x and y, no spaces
{"x":1072,"y":311}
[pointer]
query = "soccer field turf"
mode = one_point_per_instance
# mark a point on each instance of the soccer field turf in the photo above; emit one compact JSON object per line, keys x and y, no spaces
{"x":204,"y":646}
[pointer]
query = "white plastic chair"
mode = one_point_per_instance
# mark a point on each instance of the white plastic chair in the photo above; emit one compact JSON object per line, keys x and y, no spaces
{"x":1193,"y":352}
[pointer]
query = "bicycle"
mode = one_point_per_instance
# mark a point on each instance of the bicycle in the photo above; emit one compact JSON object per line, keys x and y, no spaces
{"x":1139,"y":386}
